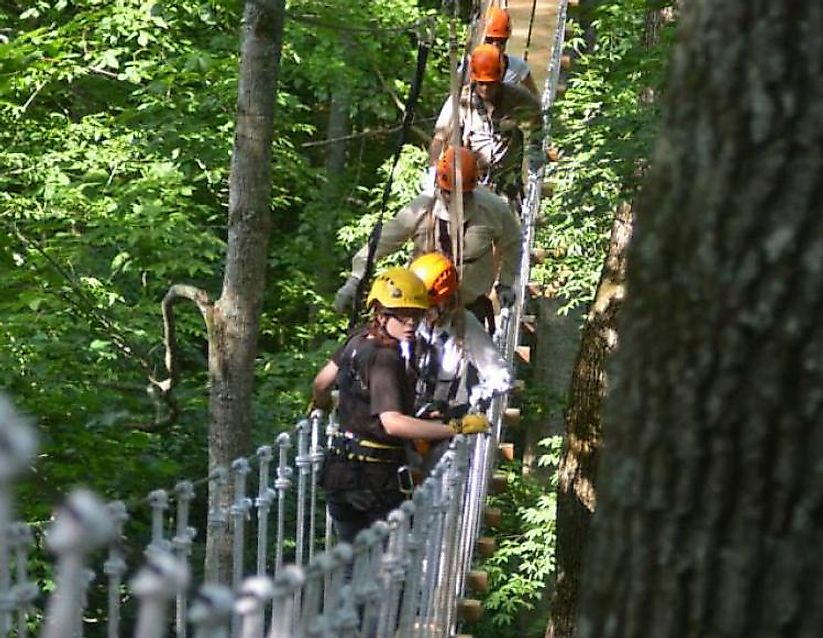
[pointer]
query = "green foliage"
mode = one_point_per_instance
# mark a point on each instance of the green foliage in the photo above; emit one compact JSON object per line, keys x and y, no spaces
{"x":605,"y":133}
{"x":521,"y":568}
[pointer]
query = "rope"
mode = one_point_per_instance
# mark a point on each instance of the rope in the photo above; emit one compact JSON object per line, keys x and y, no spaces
{"x":423,"y":48}
{"x":529,"y":35}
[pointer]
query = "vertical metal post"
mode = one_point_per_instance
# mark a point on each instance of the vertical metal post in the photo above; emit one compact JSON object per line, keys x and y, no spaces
{"x":334,"y":582}
{"x":181,"y":546}
{"x":17,"y":447}
{"x":86,"y":579}
{"x":159,"y":503}
{"x":81,"y":525}
{"x":303,"y":462}
{"x":316,"y":458}
{"x":393,"y":570}
{"x":254,"y":593}
{"x":265,"y":497}
{"x":25,"y":590}
{"x":239,"y":511}
{"x":282,"y":485}
{"x":211,"y":610}
{"x":115,"y":567}
{"x":286,"y":588}
{"x":217,"y":519}
{"x":155,"y":586}
{"x":422,"y":504}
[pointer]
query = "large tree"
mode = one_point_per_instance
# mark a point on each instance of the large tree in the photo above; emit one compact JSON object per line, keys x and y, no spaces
{"x":710,"y":494}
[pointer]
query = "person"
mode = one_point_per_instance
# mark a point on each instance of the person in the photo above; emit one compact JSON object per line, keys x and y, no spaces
{"x":363,"y":475}
{"x":459,"y":367}
{"x":515,"y":69}
{"x":490,"y":116}
{"x":490,"y":230}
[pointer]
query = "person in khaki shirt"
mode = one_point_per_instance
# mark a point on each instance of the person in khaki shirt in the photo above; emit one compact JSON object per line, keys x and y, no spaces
{"x":489,"y":229}
{"x":491,"y":116}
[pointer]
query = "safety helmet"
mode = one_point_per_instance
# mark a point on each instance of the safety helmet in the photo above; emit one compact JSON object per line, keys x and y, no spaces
{"x":438,"y":274}
{"x":468,"y":169}
{"x":498,"y":24}
{"x":486,"y":64}
{"x":398,"y":288}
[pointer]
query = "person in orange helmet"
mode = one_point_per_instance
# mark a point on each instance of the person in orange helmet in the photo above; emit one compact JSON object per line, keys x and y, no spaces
{"x":491,"y":115}
{"x":489,"y":230}
{"x":498,"y":31}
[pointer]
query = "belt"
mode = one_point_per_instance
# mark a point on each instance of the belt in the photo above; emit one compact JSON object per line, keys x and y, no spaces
{"x":354,"y":448}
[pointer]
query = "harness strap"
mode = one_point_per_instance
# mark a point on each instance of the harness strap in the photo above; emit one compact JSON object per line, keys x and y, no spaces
{"x":355,"y":448}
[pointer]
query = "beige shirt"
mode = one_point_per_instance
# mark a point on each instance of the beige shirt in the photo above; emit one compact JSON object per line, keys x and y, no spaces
{"x":489,"y":226}
{"x":494,"y":131}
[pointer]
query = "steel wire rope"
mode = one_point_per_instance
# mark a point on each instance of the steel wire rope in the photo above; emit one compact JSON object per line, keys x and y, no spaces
{"x":529,"y":34}
{"x":423,"y":48}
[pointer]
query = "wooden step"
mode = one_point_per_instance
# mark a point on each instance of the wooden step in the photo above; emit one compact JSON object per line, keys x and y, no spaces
{"x":511,"y":417}
{"x":469,"y":610}
{"x":499,"y":483}
{"x":478,"y":580}
{"x":529,"y":323}
{"x":524,"y":352}
{"x":486,"y":546}
{"x":565,"y":61}
{"x":492,"y":516}
{"x":539,"y":255}
{"x":506,"y":451}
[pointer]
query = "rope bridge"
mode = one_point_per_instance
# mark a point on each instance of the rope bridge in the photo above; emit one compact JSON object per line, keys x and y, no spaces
{"x":405,"y":576}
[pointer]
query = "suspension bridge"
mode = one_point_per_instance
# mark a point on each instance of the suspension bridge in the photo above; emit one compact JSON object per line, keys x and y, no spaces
{"x":408,"y":576}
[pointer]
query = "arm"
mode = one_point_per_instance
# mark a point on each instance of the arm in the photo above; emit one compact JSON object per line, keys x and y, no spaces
{"x":323,"y":384}
{"x":442,"y":132}
{"x":394,"y":234}
{"x":407,"y":427}
{"x":495,"y":374}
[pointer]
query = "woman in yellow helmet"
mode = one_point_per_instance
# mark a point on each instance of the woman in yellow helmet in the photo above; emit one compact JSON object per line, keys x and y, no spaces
{"x":374,"y":373}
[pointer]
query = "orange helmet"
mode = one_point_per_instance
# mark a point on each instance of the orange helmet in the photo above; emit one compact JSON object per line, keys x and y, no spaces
{"x":486,"y":64}
{"x":498,"y":24}
{"x":437,"y":272}
{"x":468,"y":169}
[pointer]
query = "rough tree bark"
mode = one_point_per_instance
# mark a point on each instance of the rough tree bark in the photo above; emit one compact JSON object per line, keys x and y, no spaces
{"x":710,"y":500}
{"x":236,"y":314}
{"x":576,"y":495}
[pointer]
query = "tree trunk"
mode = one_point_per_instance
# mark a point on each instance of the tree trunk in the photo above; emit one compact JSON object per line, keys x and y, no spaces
{"x":236,"y":315}
{"x":576,"y":494}
{"x":711,"y":499}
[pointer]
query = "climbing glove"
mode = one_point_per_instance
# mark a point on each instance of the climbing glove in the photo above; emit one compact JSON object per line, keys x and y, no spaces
{"x":505,"y":295}
{"x":344,"y":299}
{"x":471,"y":424}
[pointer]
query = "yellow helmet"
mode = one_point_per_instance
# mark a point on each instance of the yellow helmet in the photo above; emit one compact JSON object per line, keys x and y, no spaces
{"x":398,"y":288}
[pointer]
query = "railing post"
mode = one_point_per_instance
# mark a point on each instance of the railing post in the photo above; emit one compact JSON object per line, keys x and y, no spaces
{"x":333,"y":584}
{"x":17,"y":447}
{"x":211,"y":611}
{"x":159,"y":503}
{"x":265,"y":497}
{"x":25,"y":591}
{"x":239,"y":512}
{"x":155,"y":586}
{"x":81,"y":525}
{"x":316,"y":457}
{"x":115,"y":566}
{"x":422,"y":510}
{"x":303,"y":462}
{"x":86,"y":579}
{"x":286,"y":590}
{"x":393,"y":570}
{"x":181,"y":547}
{"x":255,"y":593}
{"x":282,"y":485}
{"x":217,"y":520}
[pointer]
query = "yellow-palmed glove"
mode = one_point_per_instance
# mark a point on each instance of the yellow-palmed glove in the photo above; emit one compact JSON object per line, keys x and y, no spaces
{"x":475,"y":424}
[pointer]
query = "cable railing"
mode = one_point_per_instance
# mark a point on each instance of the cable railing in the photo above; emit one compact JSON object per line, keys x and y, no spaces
{"x":401,"y":577}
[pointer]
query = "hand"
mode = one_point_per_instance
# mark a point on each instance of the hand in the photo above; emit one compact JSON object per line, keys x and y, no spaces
{"x":427,"y":181}
{"x":505,"y":295}
{"x":344,"y":298}
{"x":471,"y":424}
{"x":475,"y":424}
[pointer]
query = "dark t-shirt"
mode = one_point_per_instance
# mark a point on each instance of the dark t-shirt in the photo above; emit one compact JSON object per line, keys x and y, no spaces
{"x":377,"y":381}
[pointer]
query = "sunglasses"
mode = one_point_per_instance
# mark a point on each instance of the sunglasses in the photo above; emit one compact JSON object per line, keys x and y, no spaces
{"x":406,"y":318}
